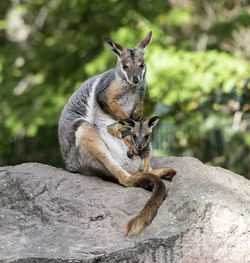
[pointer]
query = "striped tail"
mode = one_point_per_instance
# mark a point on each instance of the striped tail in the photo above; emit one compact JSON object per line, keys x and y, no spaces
{"x":137,"y":224}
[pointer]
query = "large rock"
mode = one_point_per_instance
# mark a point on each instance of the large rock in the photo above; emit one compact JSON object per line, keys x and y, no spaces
{"x":50,"y":215}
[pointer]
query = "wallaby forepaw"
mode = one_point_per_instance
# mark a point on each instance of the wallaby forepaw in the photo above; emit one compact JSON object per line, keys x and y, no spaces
{"x":129,"y":154}
{"x":135,"y":226}
{"x":170,"y":173}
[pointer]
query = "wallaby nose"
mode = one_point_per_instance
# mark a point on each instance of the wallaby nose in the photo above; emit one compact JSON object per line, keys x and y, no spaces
{"x":139,"y":146}
{"x":135,"y":80}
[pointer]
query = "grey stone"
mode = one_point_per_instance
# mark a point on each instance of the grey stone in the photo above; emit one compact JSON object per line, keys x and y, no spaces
{"x":51,"y":215}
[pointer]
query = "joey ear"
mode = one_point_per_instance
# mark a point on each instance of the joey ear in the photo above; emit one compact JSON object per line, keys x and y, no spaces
{"x":142,"y":119}
{"x":129,"y":122}
{"x":114,"y":47}
{"x":144,"y":43}
{"x":153,"y":121}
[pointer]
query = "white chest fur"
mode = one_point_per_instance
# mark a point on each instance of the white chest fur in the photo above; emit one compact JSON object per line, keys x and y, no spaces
{"x":116,"y":147}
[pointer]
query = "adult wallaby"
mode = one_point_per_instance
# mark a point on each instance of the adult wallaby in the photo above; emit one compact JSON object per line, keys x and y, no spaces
{"x":105,"y":99}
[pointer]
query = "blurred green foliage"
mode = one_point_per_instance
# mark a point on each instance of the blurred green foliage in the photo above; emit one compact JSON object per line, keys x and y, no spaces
{"x":198,"y":72}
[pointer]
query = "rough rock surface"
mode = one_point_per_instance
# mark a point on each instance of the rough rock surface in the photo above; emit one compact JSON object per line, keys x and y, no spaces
{"x":50,"y":215}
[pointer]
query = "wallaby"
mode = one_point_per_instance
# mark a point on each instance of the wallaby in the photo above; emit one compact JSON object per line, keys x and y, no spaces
{"x":136,"y":136}
{"x":103,"y":100}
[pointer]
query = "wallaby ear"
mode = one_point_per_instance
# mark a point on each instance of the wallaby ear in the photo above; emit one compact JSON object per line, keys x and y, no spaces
{"x":144,"y":43}
{"x":114,"y":47}
{"x":153,"y":121}
{"x":129,"y":122}
{"x":142,"y":119}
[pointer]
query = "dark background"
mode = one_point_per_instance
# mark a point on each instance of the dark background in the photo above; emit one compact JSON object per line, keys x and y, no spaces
{"x":198,"y":73}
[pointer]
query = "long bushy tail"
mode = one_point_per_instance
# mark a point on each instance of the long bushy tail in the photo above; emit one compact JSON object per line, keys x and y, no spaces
{"x":137,"y":224}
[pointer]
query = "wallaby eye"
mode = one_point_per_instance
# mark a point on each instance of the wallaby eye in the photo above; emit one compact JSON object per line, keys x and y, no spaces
{"x":142,"y":65}
{"x":124,"y":66}
{"x":134,"y":136}
{"x":146,"y":136}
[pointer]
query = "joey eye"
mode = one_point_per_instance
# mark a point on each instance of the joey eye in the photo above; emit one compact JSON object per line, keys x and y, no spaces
{"x":134,"y":136}
{"x":142,"y":65}
{"x":124,"y":66}
{"x":146,"y":136}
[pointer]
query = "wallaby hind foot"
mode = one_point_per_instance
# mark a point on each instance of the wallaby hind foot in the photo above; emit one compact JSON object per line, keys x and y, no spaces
{"x":164,"y":173}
